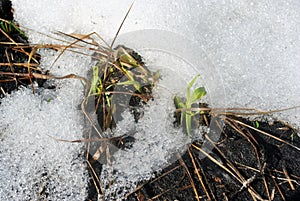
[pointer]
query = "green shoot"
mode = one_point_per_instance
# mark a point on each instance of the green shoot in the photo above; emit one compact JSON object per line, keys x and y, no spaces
{"x":96,"y":85}
{"x":256,"y":124}
{"x":292,"y":137}
{"x":131,"y":82}
{"x":191,"y":98}
{"x":127,"y":60}
{"x":8,"y":27}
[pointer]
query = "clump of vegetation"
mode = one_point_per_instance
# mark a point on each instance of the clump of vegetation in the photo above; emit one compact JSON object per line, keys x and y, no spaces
{"x":125,"y":76}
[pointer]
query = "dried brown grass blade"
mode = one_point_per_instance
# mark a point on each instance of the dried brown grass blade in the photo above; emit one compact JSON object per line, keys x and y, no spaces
{"x":96,"y":179}
{"x":237,"y":176}
{"x":276,"y":185}
{"x":119,"y":29}
{"x":198,"y":174}
{"x":229,"y":111}
{"x":189,"y":176}
{"x":265,"y":133}
{"x":80,"y":140}
{"x":157,"y":196}
{"x":70,"y":46}
{"x":288,"y":178}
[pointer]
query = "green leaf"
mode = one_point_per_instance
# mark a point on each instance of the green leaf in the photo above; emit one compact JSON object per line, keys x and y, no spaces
{"x":256,"y":124}
{"x":136,"y":84}
{"x":95,"y":81}
{"x":197,"y":95}
{"x":191,"y":84}
{"x":292,"y":136}
{"x":178,"y":102}
{"x":128,"y":82}
{"x":188,"y":121}
{"x":128,"y":59}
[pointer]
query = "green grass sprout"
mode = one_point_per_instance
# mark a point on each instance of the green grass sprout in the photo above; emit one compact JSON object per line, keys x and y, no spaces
{"x":191,"y":98}
{"x":9,"y":27}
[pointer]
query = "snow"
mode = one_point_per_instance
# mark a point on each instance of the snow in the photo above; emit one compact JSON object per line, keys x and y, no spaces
{"x":249,"y":56}
{"x":31,"y":161}
{"x":245,"y":40}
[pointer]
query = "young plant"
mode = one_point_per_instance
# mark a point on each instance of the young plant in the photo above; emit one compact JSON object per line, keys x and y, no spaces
{"x":96,"y":84}
{"x":8,"y":27}
{"x":185,"y":107}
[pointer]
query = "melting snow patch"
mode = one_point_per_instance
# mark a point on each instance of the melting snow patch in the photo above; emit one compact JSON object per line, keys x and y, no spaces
{"x":157,"y":141}
{"x":33,"y":165}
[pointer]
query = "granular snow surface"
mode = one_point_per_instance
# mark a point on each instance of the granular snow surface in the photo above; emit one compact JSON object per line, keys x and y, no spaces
{"x":252,"y":47}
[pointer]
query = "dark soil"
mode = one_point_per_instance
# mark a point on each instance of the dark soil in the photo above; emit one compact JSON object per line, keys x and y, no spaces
{"x":173,"y":183}
{"x":11,"y":55}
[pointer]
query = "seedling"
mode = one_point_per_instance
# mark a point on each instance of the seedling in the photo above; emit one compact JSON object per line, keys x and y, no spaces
{"x":186,"y":107}
{"x":256,"y":124}
{"x":9,"y":27}
{"x":96,"y":84}
{"x":292,"y":137}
